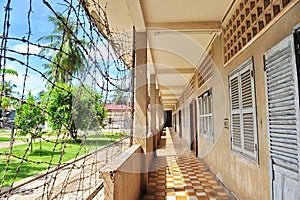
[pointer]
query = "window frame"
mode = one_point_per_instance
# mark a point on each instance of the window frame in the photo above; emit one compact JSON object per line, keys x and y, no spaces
{"x":242,"y":111}
{"x":206,"y":114}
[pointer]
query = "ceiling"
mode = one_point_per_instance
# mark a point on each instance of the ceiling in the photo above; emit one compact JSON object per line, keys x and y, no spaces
{"x":179,"y":32}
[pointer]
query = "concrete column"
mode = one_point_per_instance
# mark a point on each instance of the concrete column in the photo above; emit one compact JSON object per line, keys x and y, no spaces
{"x":197,"y":110}
{"x":141,"y":122}
{"x":140,"y":132}
{"x":153,"y":110}
{"x":158,"y":106}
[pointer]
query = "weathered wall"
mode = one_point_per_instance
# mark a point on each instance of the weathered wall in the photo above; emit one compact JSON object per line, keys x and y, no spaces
{"x":246,"y":179}
{"x":123,"y":177}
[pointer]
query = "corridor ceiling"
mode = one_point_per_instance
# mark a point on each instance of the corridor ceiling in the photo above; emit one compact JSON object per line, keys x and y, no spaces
{"x":179,"y":33}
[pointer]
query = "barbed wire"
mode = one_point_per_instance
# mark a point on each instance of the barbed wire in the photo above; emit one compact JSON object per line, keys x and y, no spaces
{"x":84,"y":101}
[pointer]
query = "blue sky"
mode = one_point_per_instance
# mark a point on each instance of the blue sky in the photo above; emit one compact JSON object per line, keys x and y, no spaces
{"x":40,"y":26}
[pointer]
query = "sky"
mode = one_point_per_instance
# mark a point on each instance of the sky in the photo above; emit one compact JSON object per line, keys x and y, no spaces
{"x":40,"y":26}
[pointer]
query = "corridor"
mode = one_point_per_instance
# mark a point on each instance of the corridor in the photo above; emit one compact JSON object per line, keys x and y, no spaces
{"x":178,"y":174}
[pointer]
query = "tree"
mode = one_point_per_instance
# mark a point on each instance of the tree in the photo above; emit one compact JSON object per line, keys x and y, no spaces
{"x":119,"y":97}
{"x":70,"y":108}
{"x":59,"y":109}
{"x":88,"y":109}
{"x":7,"y":86}
{"x":28,"y":118}
{"x":7,"y":90}
{"x":69,"y":56}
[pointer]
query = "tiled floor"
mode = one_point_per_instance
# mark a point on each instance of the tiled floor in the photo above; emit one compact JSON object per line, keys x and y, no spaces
{"x":181,"y":176}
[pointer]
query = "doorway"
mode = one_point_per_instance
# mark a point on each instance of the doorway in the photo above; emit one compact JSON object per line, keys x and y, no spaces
{"x":180,"y":124}
{"x":193,"y":128}
{"x":168,"y":120}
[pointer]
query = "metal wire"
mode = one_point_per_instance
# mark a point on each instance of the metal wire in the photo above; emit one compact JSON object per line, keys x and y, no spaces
{"x":105,"y":68}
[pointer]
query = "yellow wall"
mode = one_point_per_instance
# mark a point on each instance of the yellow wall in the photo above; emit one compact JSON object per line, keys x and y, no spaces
{"x":246,"y":179}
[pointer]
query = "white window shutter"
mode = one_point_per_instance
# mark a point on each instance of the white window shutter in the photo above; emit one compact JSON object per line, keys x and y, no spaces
{"x":249,"y":127}
{"x":205,"y":115}
{"x":243,"y":124}
{"x":235,"y":125}
{"x":283,"y":104}
{"x":210,"y":119}
{"x":201,"y":118}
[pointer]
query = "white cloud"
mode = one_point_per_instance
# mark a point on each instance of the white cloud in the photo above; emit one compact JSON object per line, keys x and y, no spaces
{"x":34,"y":81}
{"x":22,"y":48}
{"x":103,"y":52}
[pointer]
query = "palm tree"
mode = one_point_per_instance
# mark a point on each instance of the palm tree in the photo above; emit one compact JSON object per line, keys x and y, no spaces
{"x":68,"y":56}
{"x":6,"y":87}
{"x":6,"y":90}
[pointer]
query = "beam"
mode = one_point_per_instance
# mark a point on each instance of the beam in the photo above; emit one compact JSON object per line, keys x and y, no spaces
{"x":136,"y":13}
{"x":213,"y":26}
{"x":169,"y":98}
{"x":170,"y":95}
{"x":169,"y":107}
{"x":175,"y":71}
{"x":170,"y":87}
{"x":170,"y":102}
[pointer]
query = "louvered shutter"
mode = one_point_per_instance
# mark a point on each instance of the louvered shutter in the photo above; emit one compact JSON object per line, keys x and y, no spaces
{"x":205,"y":114}
{"x":283,"y":104}
{"x":210,"y":118}
{"x":201,"y":118}
{"x":248,"y":115}
{"x":243,"y":124}
{"x":235,"y":125}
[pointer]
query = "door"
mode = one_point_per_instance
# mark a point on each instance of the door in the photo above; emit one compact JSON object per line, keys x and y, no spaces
{"x":180,"y":124}
{"x":283,"y":119}
{"x":193,"y":125}
{"x":195,"y":145}
{"x":175,"y":122}
{"x":168,"y":120}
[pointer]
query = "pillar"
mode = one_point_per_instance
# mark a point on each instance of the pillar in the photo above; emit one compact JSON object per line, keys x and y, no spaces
{"x":153,"y":110}
{"x":141,"y":123}
{"x":140,"y":132}
{"x":158,"y":107}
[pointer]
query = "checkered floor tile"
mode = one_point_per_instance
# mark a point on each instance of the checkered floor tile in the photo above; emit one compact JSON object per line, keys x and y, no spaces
{"x":183,"y":177}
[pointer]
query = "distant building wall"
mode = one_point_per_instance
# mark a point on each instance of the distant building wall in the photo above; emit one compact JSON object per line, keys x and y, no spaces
{"x":246,"y":178}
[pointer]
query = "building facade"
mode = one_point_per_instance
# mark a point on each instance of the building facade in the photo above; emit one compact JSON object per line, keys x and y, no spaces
{"x":234,"y":100}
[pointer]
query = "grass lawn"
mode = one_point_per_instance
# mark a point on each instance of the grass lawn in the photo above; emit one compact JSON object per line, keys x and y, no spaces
{"x":45,"y":154}
{"x":7,"y":139}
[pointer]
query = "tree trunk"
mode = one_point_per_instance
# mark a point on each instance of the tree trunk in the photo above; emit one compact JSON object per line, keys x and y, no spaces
{"x":40,"y":143}
{"x":31,"y":144}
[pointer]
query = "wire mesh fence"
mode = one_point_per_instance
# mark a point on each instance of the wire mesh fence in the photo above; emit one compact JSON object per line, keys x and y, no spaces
{"x":66,"y":98}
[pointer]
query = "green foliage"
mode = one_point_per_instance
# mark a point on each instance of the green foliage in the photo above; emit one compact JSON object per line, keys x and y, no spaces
{"x":59,"y":109}
{"x":100,"y":110}
{"x":89,"y":111}
{"x":7,"y":89}
{"x":9,"y":71}
{"x":70,"y":57}
{"x":70,"y":108}
{"x":119,"y":97}
{"x":28,"y":118}
{"x":8,"y":86}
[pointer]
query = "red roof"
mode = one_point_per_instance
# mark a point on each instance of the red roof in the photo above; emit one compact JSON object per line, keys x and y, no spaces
{"x":117,"y":107}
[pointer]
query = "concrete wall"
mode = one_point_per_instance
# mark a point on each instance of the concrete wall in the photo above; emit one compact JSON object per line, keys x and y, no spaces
{"x":245,"y":178}
{"x":123,"y":177}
